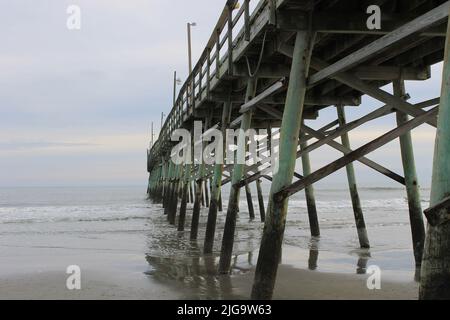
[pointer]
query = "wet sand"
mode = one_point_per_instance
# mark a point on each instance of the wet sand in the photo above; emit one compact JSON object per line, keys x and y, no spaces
{"x":292,"y":284}
{"x":95,"y":286}
{"x":118,"y":275}
{"x":296,"y":284}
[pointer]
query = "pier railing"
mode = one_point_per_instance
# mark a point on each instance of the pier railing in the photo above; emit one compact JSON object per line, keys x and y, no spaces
{"x":215,"y":62}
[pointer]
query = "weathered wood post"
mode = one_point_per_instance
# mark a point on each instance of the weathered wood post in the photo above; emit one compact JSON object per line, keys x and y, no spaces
{"x":206,"y":193}
{"x":148,"y":186}
{"x":356,"y":202}
{"x":169,"y":190}
{"x":216,"y":194}
{"x":271,"y":243}
{"x":158,"y":184}
{"x":251,"y":209}
{"x":174,"y":200}
{"x":220,"y":202}
{"x":164,"y":183}
{"x":412,"y":183}
{"x":238,"y":172}
{"x":309,"y":192}
{"x":262,"y":210}
{"x":198,"y":193}
{"x":191,"y":192}
{"x":184,"y":192}
{"x":202,"y":193}
{"x":435,"y":276}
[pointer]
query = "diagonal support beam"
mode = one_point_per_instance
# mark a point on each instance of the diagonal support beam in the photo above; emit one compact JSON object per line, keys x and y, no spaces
{"x":323,"y":139}
{"x":355,"y":155}
{"x":265,"y":94}
{"x":371,"y":164}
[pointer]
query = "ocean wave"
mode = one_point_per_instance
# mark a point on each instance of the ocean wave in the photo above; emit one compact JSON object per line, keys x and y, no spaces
{"x":24,"y":215}
{"x":397,"y":203}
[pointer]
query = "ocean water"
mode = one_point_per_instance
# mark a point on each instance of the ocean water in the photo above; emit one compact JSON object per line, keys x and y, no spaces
{"x":45,"y":228}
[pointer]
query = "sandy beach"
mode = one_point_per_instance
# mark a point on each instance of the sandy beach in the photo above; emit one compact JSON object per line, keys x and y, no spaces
{"x":120,"y":276}
{"x":293,"y":284}
{"x":126,"y":250}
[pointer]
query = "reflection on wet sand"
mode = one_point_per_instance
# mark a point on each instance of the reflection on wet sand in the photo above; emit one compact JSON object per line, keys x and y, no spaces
{"x":198,"y":273}
{"x":363,"y":260}
{"x":313,"y":253}
{"x":313,"y":258}
{"x":178,"y":262}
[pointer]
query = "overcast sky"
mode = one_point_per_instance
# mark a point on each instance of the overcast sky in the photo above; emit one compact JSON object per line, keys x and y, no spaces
{"x":76,"y":106}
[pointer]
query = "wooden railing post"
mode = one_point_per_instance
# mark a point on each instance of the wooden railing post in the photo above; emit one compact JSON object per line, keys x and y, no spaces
{"x":230,"y":39}
{"x":217,"y":53}
{"x":247,"y":20}
{"x":208,"y":74}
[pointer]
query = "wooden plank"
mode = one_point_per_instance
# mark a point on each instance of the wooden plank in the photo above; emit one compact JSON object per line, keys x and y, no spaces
{"x":263,"y":95}
{"x":433,"y":16}
{"x":355,"y":23}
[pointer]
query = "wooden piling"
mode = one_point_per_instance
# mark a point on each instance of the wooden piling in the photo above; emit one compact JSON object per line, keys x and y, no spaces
{"x":220,"y":202}
{"x":169,"y":190}
{"x":356,"y":202}
{"x":184,"y":194}
{"x":191,"y":192}
{"x":412,"y":183}
{"x":238,"y":172}
{"x":196,"y":209}
{"x":216,"y":186}
{"x":271,"y":243}
{"x":251,"y":209}
{"x":198,"y":194}
{"x":173,"y":204}
{"x":262,"y":210}
{"x":202,"y":195}
{"x":164,"y":183}
{"x":309,"y":193}
{"x":206,"y":192}
{"x":435,"y":275}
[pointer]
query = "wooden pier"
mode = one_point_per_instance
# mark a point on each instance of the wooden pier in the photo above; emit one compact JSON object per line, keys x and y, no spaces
{"x":283,"y":63}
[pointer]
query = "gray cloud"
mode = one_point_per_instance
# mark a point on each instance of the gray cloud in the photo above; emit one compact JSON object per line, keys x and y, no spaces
{"x":33,"y":145}
{"x":111,"y":78}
